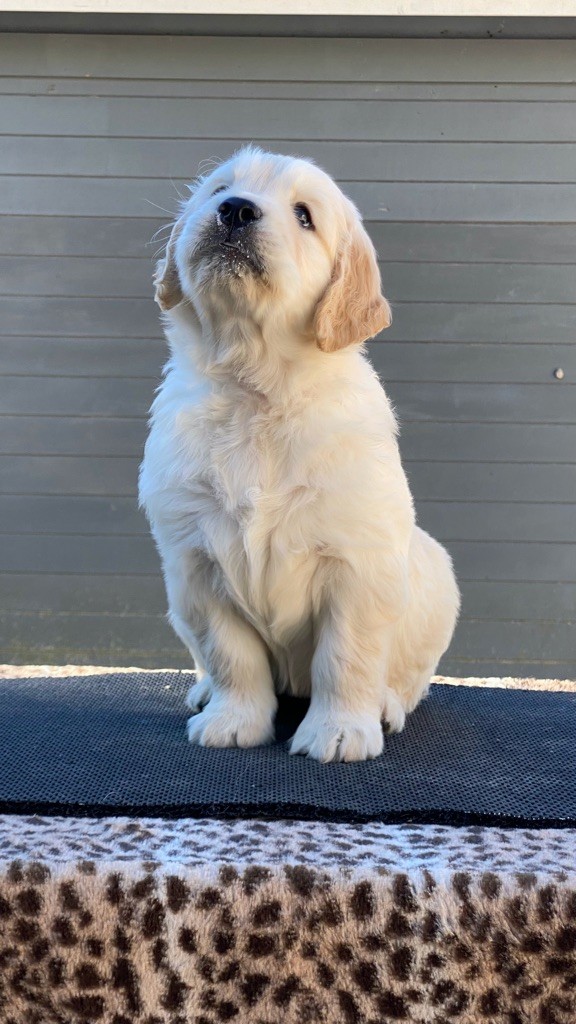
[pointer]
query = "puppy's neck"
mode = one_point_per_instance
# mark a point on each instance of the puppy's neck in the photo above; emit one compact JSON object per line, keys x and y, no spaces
{"x":272,"y":360}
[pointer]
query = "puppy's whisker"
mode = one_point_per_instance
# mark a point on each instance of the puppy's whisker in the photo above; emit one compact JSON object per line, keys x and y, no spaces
{"x":162,"y":208}
{"x":160,"y":249}
{"x":181,"y":197}
{"x":165,"y":228}
{"x":158,"y":234}
{"x":209,"y":163}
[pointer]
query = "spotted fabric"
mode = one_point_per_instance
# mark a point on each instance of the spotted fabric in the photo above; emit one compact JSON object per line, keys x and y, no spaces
{"x":125,"y":921}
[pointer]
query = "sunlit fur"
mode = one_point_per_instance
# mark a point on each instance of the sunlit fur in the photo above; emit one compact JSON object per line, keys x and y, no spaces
{"x":272,"y":478}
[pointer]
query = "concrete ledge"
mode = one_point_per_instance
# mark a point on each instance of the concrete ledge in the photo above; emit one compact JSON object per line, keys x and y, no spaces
{"x":370,"y":8}
{"x":507,"y":682}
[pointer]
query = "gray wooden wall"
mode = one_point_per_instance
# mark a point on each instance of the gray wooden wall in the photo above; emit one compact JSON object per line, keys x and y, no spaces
{"x":462,"y":157}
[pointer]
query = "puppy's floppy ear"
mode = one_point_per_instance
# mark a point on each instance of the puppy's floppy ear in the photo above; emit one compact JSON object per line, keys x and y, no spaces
{"x":352,"y":309}
{"x":168,"y":291}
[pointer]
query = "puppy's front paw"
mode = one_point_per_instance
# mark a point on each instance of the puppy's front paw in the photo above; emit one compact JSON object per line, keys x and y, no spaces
{"x":338,"y":736}
{"x":227,"y":722}
{"x":199,"y":694}
{"x":393,"y":714}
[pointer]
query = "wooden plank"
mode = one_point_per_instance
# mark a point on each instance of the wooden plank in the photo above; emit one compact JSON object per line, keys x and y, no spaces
{"x":378,"y":161}
{"x":141,"y":642}
{"x":488,"y":442}
{"x":526,"y":641}
{"x":73,"y":317}
{"x":113,"y":594}
{"x":472,"y":282}
{"x":84,"y":357}
{"x":476,"y":644}
{"x":398,"y":363}
{"x":449,"y":481}
{"x":504,"y":403}
{"x":414,"y":402}
{"x":63,"y":553}
{"x":486,"y":560}
{"x":419,"y":440}
{"x":547,"y":641}
{"x":495,"y":243}
{"x":424,"y":440}
{"x":410,"y":242}
{"x":71,"y":435}
{"x":147,"y":632}
{"x":403,"y":282}
{"x":27,"y":652}
{"x":31,"y":474}
{"x":445,"y":520}
{"x":138,"y":318}
{"x":285,"y":59}
{"x":486,"y":668}
{"x":25,"y":514}
{"x":519,"y":601}
{"x":106,"y":276}
{"x":487,"y":481}
{"x":90,"y":396}
{"x":480,"y":644}
{"x":474,"y":641}
{"x":498,"y":521}
{"x":93,"y":197}
{"x":406,"y":201}
{"x":474,"y":363}
{"x":457,"y":201}
{"x":318,"y":27}
{"x":85,"y":236}
{"x":316,"y":91}
{"x":136,"y":594}
{"x":259,"y":119}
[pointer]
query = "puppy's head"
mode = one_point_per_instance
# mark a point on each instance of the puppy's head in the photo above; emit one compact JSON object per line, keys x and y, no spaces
{"x":273,"y":239}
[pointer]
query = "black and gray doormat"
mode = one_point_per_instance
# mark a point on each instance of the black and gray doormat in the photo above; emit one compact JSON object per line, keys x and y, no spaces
{"x":116,"y":744}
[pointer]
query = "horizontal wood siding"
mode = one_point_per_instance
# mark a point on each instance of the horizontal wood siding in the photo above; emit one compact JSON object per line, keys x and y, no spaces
{"x":461,"y":156}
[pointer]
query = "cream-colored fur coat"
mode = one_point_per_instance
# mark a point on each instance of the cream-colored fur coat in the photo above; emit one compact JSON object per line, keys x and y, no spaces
{"x":272,"y":478}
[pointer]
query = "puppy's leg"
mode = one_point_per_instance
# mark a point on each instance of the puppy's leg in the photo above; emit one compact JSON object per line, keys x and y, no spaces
{"x":349,"y":669}
{"x":234,"y":697}
{"x":201,"y":690}
{"x":241,"y":700}
{"x":425,"y":630}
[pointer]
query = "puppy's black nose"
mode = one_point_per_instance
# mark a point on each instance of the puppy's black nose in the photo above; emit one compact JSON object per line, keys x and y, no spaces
{"x":236,"y":213}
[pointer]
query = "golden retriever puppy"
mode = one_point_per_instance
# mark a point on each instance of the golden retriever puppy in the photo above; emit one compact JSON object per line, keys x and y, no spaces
{"x":272,"y":478}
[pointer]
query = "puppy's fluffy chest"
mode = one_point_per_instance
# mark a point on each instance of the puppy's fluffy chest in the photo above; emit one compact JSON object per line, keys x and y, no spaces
{"x":234,"y":472}
{"x":273,"y":492}
{"x":250,"y":456}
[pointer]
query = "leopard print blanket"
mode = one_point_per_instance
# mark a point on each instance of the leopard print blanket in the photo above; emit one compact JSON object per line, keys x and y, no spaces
{"x":124,"y":921}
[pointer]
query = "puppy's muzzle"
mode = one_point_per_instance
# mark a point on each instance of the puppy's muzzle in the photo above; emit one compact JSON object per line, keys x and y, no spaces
{"x":236,"y":212}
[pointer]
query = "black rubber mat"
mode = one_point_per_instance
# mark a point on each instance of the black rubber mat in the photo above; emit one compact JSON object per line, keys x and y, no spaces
{"x":116,"y":744}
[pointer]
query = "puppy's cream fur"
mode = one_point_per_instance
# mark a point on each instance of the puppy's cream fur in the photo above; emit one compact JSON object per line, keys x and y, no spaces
{"x":272,"y":478}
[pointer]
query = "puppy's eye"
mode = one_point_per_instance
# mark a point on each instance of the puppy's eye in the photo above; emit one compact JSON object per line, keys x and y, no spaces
{"x":303,"y":216}
{"x":221,"y":188}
